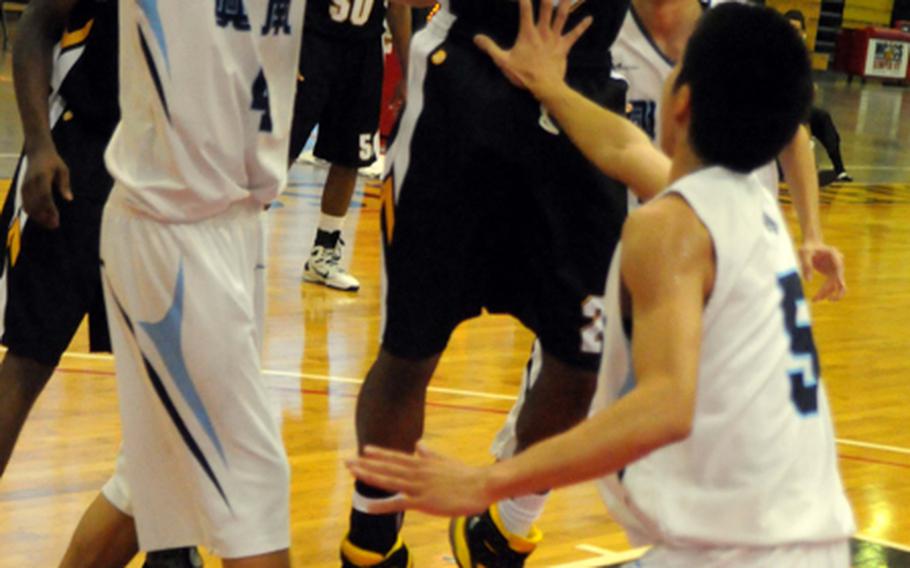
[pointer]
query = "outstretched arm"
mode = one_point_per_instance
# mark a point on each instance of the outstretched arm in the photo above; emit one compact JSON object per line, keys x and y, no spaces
{"x":668,"y":269}
{"x":39,"y":30}
{"x":537,"y":62}
{"x":798,"y":164}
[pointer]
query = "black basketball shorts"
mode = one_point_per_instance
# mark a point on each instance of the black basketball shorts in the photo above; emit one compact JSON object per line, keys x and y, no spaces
{"x":340,"y":89}
{"x":50,"y":279}
{"x":488,"y":205}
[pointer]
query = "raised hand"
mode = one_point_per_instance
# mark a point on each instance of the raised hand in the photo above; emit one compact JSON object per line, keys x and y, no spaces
{"x":539,"y":57}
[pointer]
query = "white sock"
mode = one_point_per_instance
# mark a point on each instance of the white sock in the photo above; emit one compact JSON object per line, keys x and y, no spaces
{"x":330,"y":223}
{"x":362,"y":504}
{"x":518,"y":514}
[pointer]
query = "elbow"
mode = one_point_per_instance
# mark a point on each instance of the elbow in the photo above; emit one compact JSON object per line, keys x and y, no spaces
{"x":678,"y":428}
{"x":679,"y":419}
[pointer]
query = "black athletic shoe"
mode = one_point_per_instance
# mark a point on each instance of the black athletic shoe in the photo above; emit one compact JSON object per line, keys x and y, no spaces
{"x":481,"y":541}
{"x":173,"y":558}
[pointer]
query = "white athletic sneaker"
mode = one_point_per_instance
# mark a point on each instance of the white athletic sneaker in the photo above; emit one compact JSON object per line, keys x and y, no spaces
{"x":324,"y":267}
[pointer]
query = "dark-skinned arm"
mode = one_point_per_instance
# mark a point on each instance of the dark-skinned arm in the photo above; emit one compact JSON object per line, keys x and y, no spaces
{"x":39,"y":31}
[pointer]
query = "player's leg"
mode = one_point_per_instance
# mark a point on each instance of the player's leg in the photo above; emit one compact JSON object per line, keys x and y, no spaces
{"x":103,"y":523}
{"x":45,"y":287}
{"x":822,"y":127}
{"x":313,"y":82}
{"x":430,"y":281}
{"x":562,"y":237}
{"x":348,"y":141}
{"x":324,"y":264}
{"x":187,"y":359}
{"x":21,"y":381}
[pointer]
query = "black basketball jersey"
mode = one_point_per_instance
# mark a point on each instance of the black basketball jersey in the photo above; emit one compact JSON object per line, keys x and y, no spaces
{"x":499,"y":18}
{"x":346,"y":19}
{"x":87,"y":66}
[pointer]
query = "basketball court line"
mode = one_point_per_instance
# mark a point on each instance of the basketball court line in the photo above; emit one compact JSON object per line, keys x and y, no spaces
{"x":602,"y":557}
{"x":606,"y":557}
{"x":462,"y":392}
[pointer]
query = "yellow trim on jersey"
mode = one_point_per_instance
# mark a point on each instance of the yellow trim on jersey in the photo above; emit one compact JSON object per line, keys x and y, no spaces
{"x":388,"y":206}
{"x":76,"y":37}
{"x":14,"y":241}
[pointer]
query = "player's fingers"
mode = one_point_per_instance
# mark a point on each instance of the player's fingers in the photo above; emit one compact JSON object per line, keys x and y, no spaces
{"x":545,"y":19}
{"x":804,"y":256}
{"x":378,"y":475}
{"x":38,"y":201}
{"x":374,"y":453}
{"x":562,"y":16}
{"x":527,"y":15}
{"x":63,"y":183}
{"x":827,"y":291}
{"x":425,"y":452}
{"x":491,"y":48}
{"x":395,"y":505}
{"x":573,"y":36}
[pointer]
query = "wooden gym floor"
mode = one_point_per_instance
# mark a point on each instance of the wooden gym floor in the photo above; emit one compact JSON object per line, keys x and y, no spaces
{"x":320,"y":344}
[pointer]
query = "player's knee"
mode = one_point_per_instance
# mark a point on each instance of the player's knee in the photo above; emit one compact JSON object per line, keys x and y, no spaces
{"x":397,"y":377}
{"x":24,"y":374}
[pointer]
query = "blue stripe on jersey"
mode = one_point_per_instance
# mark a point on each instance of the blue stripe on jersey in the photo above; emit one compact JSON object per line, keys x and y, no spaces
{"x":150,"y":7}
{"x":166,"y":335}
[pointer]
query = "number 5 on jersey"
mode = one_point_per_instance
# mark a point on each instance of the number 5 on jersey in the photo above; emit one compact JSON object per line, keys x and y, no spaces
{"x":355,"y":11}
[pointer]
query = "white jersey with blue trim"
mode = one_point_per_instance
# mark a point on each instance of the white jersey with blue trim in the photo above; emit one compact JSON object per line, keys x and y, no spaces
{"x":641,"y":62}
{"x":760,"y":466}
{"x":645,"y":67}
{"x":207,"y":92}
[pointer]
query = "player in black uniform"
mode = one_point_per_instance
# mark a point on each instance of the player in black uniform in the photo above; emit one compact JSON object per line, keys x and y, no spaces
{"x":487,"y":205}
{"x":50,"y":267}
{"x":340,"y":88}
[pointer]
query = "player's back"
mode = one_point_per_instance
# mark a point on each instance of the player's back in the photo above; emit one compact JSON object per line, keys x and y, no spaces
{"x":207,"y":94}
{"x":760,"y":466}
{"x":499,"y":18}
{"x":346,"y":19}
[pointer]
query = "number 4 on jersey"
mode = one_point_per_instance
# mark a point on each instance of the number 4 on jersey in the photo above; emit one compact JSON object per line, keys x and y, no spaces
{"x":261,"y":102}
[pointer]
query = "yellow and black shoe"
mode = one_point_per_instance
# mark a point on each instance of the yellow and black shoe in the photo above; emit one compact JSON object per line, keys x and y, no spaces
{"x":482,"y":541}
{"x":355,"y":557}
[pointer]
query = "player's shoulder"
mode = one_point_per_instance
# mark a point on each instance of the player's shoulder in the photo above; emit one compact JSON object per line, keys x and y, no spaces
{"x":667,"y":233}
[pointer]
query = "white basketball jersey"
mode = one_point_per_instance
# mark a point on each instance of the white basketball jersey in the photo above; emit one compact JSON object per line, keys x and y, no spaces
{"x":638,"y":58}
{"x":207,"y":92}
{"x":760,"y":466}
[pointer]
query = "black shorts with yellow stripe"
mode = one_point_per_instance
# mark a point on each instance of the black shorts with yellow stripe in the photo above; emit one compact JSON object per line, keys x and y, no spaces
{"x":489,"y":206}
{"x":50,"y":279}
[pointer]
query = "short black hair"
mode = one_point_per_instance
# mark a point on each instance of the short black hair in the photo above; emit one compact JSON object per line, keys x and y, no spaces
{"x":796,"y":16}
{"x":751,"y":85}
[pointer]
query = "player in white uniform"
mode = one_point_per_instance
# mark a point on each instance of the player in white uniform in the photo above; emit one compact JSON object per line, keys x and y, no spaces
{"x":652,"y":38}
{"x":725,"y":432}
{"x":207,"y":91}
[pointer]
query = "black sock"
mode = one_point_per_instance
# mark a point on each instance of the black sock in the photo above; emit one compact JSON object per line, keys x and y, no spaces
{"x":376,"y":533}
{"x":173,"y":558}
{"x":326,"y":239}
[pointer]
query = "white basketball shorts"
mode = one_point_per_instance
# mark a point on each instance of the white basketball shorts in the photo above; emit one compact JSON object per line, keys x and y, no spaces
{"x":203,"y":460}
